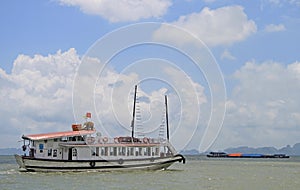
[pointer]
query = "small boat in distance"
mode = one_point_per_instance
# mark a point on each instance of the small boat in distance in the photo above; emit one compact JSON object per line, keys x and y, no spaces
{"x":241,"y":155}
{"x":85,"y":149}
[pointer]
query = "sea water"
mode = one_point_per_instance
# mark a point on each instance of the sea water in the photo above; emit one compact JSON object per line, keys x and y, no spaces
{"x":199,"y":172}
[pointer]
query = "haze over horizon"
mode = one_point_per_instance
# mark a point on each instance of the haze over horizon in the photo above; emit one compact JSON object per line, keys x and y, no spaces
{"x":45,"y":45}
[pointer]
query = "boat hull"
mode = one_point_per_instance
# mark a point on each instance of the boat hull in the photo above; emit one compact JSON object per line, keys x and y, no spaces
{"x":49,"y":165}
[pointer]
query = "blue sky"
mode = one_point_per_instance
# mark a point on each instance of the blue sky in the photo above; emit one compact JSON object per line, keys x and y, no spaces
{"x":45,"y":26}
{"x":255,"y":44}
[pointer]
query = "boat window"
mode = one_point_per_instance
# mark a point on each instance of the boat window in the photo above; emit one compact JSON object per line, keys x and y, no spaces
{"x":55,"y":153}
{"x":106,"y":151}
{"x":131,"y":151}
{"x":156,"y":151}
{"x":74,"y":152}
{"x":31,"y":152}
{"x":93,"y":153}
{"x":97,"y":151}
{"x":122,"y":151}
{"x":115,"y":151}
{"x":162,"y":151}
{"x":149,"y":151}
{"x":55,"y":140}
{"x":102,"y":151}
{"x":119,"y":150}
{"x":50,"y":152}
{"x":110,"y":151}
{"x":41,"y":147}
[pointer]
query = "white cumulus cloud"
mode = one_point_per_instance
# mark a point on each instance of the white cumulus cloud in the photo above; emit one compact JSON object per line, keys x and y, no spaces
{"x":281,"y":3}
{"x":227,"y":55}
{"x":222,"y":26}
{"x":275,"y":28}
{"x":263,"y":109}
{"x":38,"y":96}
{"x":121,"y":10}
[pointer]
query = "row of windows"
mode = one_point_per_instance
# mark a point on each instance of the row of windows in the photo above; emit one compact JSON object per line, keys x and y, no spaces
{"x":41,"y":148}
{"x":127,"y":151}
{"x":50,"y":152}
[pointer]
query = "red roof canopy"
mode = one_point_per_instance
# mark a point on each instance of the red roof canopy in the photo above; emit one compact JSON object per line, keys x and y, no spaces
{"x":57,"y":135}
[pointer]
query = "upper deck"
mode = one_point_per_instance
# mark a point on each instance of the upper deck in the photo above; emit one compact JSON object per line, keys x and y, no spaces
{"x":55,"y":135}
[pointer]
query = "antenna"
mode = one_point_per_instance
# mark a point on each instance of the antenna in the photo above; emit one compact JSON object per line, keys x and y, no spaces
{"x":167,"y":117}
{"x":133,"y":112}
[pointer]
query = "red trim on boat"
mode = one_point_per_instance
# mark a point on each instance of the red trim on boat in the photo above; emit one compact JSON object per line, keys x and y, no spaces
{"x":57,"y":134}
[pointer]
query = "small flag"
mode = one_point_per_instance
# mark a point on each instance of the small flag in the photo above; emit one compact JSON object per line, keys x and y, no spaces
{"x":88,"y":115}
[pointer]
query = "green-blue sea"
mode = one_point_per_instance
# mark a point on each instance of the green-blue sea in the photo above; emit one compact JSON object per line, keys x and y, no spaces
{"x":199,"y":172}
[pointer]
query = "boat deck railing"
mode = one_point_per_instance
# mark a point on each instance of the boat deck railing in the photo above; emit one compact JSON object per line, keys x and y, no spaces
{"x":105,"y":141}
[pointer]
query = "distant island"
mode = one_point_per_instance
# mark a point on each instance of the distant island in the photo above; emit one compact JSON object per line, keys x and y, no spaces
{"x":288,"y":150}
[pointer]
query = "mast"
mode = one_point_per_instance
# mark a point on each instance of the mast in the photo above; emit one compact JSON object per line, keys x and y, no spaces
{"x":167,"y":117}
{"x":133,"y":112}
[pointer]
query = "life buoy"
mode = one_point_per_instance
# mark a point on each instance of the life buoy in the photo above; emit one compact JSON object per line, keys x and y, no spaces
{"x":90,"y":140}
{"x":145,"y":140}
{"x":92,"y":164}
{"x":105,"y":139}
{"x":121,"y":161}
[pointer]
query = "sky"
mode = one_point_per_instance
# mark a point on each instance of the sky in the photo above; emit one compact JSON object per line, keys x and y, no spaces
{"x":230,"y":69}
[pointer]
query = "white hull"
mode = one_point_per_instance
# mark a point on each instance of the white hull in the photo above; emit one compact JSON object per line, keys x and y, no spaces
{"x":48,"y":165}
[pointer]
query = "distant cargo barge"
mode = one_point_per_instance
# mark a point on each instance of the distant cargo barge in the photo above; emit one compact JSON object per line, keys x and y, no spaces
{"x":241,"y":155}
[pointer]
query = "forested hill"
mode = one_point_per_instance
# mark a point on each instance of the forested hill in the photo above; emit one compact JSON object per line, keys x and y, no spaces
{"x":289,"y":150}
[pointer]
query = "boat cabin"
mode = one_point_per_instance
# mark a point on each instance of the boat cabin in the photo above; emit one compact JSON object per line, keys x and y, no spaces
{"x":86,"y":143}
